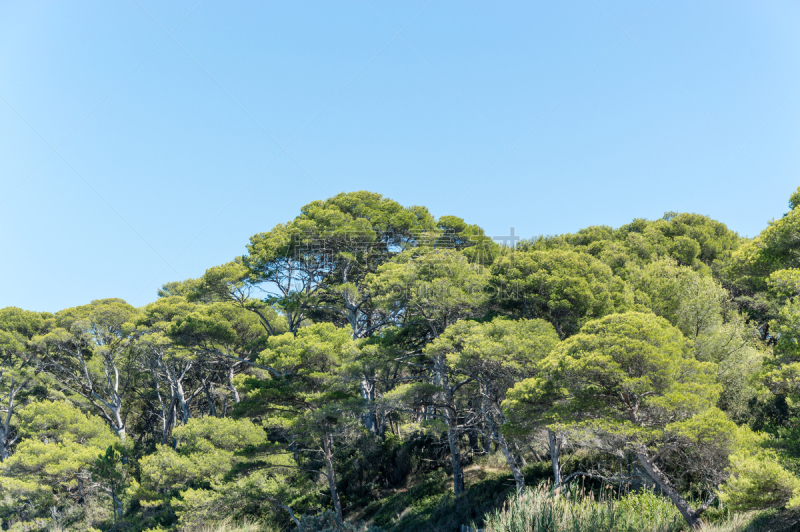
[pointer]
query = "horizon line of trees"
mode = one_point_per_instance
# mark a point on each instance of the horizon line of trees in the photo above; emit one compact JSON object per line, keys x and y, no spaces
{"x":364,"y":341}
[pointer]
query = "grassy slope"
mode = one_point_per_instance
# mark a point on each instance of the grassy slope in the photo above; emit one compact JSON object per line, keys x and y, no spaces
{"x":427,"y":503}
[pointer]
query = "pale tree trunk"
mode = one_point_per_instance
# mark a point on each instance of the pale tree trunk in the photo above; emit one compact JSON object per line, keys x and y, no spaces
{"x":513,"y":462}
{"x":368,"y":395}
{"x":691,"y":516}
{"x":5,"y":451}
{"x":174,"y":378}
{"x":181,"y":396}
{"x":512,"y":458}
{"x":168,"y":374}
{"x":231,"y":386}
{"x":520,"y":456}
{"x":555,"y":450}
{"x":119,"y":427}
{"x":112,"y":389}
{"x":326,"y":447}
{"x":114,"y":406}
{"x":5,"y":442}
{"x":5,"y":429}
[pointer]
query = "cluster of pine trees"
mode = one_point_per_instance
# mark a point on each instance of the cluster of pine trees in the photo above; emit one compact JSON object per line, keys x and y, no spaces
{"x":365,"y":342}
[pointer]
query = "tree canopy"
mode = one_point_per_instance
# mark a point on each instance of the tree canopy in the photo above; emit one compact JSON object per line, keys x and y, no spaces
{"x":366,"y":352}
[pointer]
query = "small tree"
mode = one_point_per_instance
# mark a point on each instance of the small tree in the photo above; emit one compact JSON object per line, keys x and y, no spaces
{"x":304,"y":397}
{"x":110,"y":472}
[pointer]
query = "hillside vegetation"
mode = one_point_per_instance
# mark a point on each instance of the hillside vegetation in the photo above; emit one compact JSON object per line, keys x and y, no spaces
{"x":368,"y":367}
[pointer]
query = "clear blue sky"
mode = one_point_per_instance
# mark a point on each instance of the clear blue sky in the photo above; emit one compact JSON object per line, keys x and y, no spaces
{"x":131,"y":156}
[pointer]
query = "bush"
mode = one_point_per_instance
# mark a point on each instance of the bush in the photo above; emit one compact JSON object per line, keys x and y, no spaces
{"x":758,"y":482}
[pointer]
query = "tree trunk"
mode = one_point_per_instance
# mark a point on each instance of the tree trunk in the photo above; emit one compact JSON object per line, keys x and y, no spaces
{"x":555,"y":449}
{"x":212,"y":409}
{"x":167,"y":421}
{"x":368,"y":394}
{"x":520,"y":456}
{"x":117,"y":504}
{"x":120,"y":424}
{"x":5,"y":429}
{"x":487,"y":445}
{"x":382,"y":427}
{"x":455,"y":458}
{"x":513,"y":463}
{"x":181,"y":395}
{"x":473,"y":441}
{"x":451,"y":419}
{"x":4,"y":451}
{"x":692,"y":517}
{"x":232,"y":386}
{"x":326,"y":446}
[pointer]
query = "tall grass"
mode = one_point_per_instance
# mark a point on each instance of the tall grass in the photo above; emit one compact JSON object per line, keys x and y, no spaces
{"x":539,"y":510}
{"x":228,"y":525}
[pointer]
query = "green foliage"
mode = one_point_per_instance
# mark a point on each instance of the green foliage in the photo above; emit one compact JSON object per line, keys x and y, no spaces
{"x":537,"y":509}
{"x":564,"y":287}
{"x":52,"y":463}
{"x":760,"y":273}
{"x":205,"y":453}
{"x":60,"y":422}
{"x":691,"y":239}
{"x":426,"y":503}
{"x":758,"y":481}
{"x":257,"y":493}
{"x":629,"y":383}
{"x":24,"y":323}
{"x":358,"y":364}
{"x":784,"y":366}
{"x":184,"y":288}
{"x":316,"y":264}
{"x":794,"y":199}
{"x":699,"y":307}
{"x":784,"y":284}
{"x":515,"y":344}
{"x":436,"y":287}
{"x":207,"y":434}
{"x":625,"y":369}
